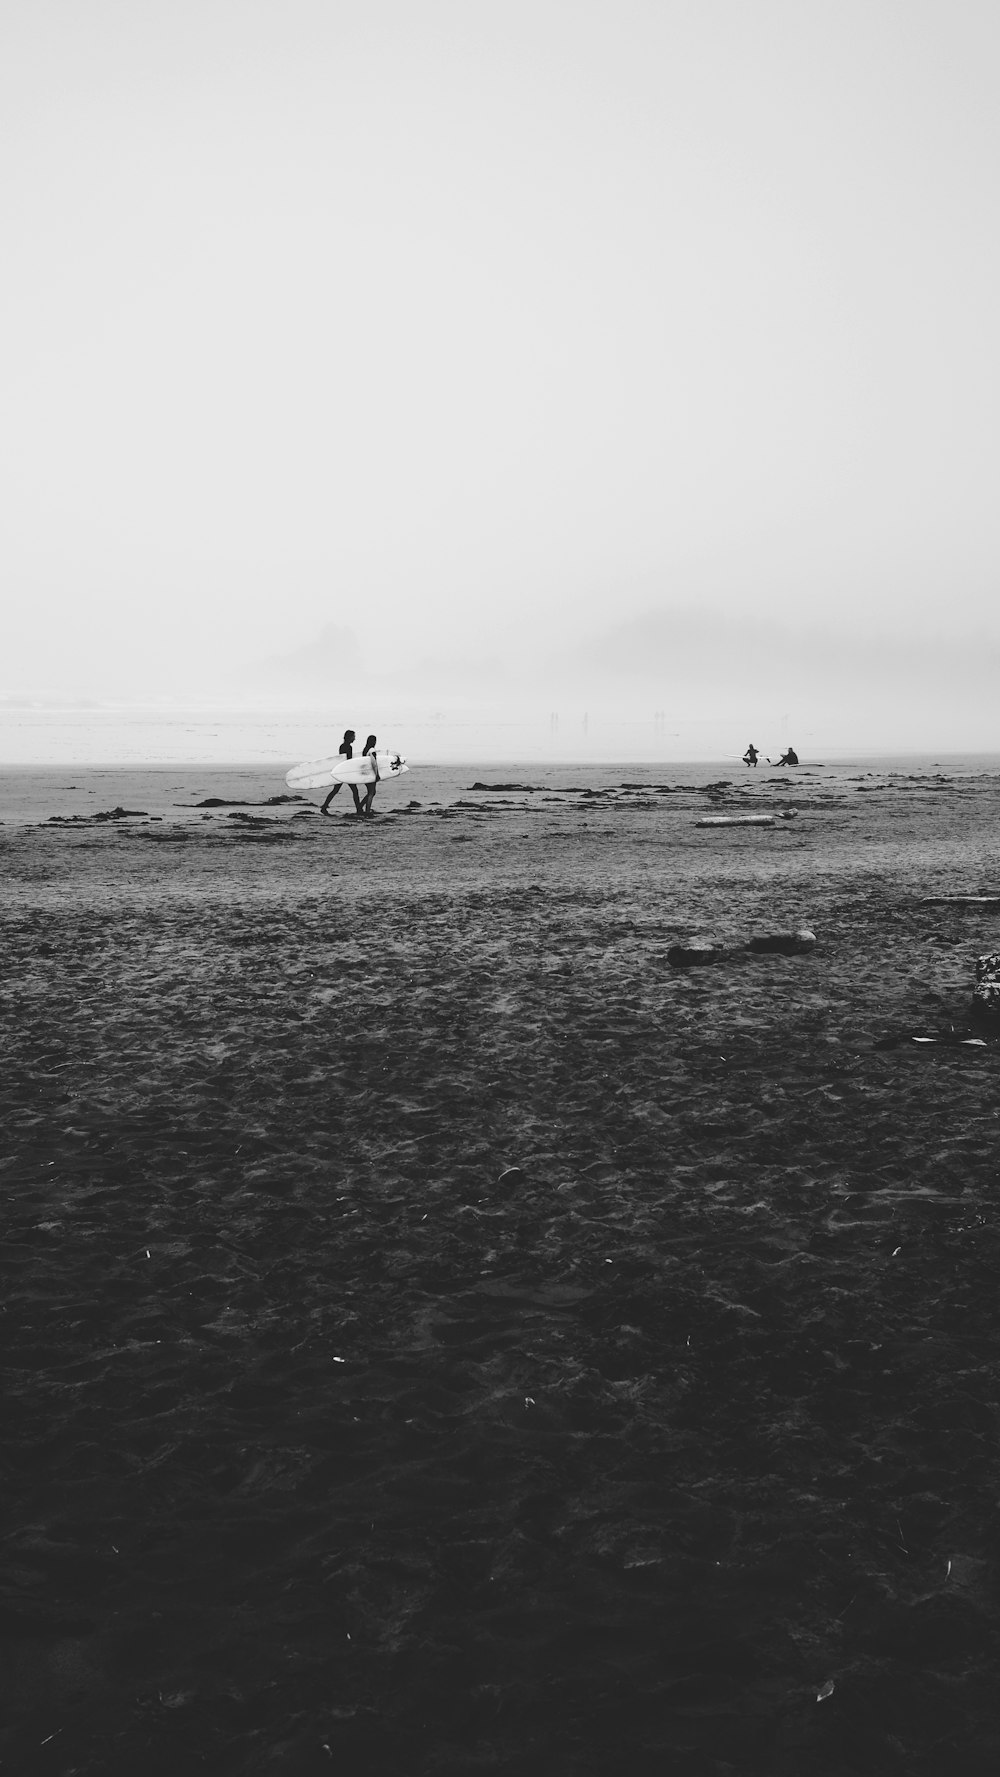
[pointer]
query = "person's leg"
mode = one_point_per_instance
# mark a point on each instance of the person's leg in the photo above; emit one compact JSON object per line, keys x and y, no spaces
{"x":329,"y":799}
{"x":357,"y":800}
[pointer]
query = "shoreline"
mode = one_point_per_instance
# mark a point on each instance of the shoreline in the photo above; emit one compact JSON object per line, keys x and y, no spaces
{"x":31,"y":795}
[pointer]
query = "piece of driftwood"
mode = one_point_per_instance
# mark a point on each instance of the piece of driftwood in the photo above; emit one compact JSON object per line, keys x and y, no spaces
{"x":961,"y":901}
{"x":736,"y":820}
{"x":747,"y":820}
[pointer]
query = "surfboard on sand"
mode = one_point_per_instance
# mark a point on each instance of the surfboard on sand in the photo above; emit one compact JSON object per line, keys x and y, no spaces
{"x":316,"y":774}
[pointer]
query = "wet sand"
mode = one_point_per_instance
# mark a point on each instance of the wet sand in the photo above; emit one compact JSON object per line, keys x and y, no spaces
{"x":441,"y":1336}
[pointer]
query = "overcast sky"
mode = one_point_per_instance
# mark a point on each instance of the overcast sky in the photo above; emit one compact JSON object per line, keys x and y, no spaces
{"x":475,"y":325}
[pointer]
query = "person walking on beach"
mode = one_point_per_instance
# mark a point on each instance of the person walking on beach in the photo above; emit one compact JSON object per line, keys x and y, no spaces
{"x":347,"y":749}
{"x":369,"y":747}
{"x":751,"y":755}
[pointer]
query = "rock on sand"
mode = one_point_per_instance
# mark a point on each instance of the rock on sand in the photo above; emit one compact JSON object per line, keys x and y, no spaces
{"x":694,"y":953}
{"x":784,"y":943}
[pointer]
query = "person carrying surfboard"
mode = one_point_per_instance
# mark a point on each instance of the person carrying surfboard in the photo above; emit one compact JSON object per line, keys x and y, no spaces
{"x":369,"y":747}
{"x":347,"y":748}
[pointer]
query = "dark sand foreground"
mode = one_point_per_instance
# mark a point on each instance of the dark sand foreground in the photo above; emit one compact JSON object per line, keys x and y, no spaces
{"x":332,"y":1444}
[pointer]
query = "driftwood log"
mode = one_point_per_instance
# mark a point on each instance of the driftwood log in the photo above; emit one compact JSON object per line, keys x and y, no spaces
{"x":961,"y":901}
{"x":747,"y":820}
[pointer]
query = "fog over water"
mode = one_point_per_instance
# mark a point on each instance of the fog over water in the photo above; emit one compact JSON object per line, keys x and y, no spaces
{"x":609,"y":380}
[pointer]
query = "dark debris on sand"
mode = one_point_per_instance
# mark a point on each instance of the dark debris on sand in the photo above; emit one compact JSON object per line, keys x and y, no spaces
{"x":526,"y":789}
{"x":224,"y":802}
{"x":108,"y":814}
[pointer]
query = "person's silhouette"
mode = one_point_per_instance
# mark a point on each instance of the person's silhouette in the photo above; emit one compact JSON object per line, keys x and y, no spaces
{"x":790,"y":757}
{"x":347,"y":749}
{"x":751,"y":755}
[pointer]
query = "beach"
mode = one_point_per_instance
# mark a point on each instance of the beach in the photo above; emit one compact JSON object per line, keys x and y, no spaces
{"x":441,"y":1334}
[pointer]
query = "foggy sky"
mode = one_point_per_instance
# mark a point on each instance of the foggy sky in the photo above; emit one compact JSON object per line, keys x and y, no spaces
{"x":478,"y":330}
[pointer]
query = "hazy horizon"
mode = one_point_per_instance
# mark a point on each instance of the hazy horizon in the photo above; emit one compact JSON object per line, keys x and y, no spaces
{"x":542,"y":356}
{"x":687,"y":678}
{"x":44,"y":730}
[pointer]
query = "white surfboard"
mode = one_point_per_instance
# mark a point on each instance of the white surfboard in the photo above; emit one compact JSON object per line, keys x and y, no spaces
{"x":316,"y":774}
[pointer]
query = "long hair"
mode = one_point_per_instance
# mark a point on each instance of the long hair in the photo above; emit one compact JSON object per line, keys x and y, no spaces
{"x":369,"y":743}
